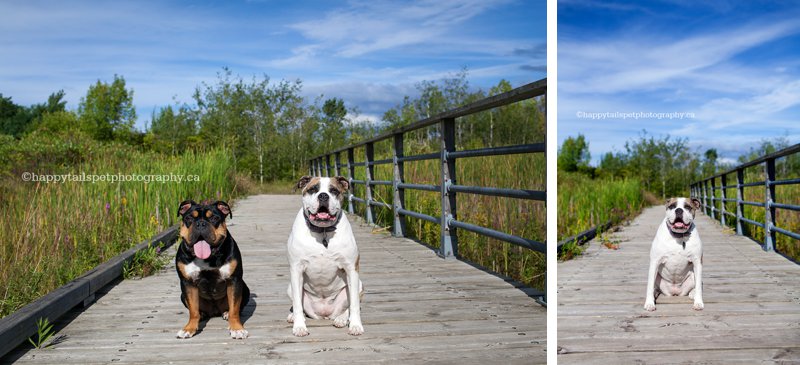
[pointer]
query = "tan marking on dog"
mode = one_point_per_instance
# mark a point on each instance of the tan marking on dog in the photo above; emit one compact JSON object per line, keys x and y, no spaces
{"x":195,"y":214}
{"x":185,"y":232}
{"x":209,"y":214}
{"x":220,"y":233}
{"x":193,"y":302}
{"x":234,"y":302}
{"x":311,"y":183}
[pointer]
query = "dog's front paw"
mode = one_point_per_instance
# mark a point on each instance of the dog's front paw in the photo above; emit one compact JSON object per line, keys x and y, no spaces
{"x":184,"y":333}
{"x":239,"y":334}
{"x":300,"y":331}
{"x":356,"y":329}
{"x":340,"y":321}
{"x":698,"y":306}
{"x":649,"y":306}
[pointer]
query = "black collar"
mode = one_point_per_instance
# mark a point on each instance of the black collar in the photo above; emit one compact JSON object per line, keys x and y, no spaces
{"x":681,"y":236}
{"x":323,"y":230}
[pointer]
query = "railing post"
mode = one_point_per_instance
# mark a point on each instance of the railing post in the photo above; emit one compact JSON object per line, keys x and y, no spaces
{"x":310,"y":167}
{"x":337,"y":166}
{"x":351,"y":173}
{"x":398,"y":199}
{"x":723,"y":184}
{"x":704,"y":187}
{"x":370,"y":155}
{"x":448,"y":247}
{"x":739,"y":200}
{"x":713,"y":198}
{"x":769,"y":210}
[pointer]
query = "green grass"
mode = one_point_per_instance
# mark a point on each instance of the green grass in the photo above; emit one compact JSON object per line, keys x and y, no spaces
{"x":54,"y":232}
{"x":584,"y":203}
{"x":523,"y":218}
{"x":146,"y":262}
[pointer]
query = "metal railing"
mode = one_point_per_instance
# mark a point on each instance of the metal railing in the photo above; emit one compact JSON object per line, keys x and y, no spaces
{"x":448,"y":187}
{"x":705,"y":190}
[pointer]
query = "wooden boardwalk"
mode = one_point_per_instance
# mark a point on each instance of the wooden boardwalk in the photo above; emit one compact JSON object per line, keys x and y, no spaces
{"x":418,"y":308}
{"x":751,"y":316}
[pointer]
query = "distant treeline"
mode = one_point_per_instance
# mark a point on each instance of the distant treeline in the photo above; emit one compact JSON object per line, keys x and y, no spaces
{"x":664,"y":165}
{"x":269,"y":129}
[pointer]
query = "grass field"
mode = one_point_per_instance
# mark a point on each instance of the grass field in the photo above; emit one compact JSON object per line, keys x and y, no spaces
{"x":584,"y":203}
{"x":54,"y":232}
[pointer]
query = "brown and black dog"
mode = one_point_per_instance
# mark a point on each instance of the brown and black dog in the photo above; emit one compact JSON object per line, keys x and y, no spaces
{"x":209,"y":267}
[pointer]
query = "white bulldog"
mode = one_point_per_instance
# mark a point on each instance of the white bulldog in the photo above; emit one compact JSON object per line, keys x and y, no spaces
{"x":676,"y":257}
{"x":324,"y":259}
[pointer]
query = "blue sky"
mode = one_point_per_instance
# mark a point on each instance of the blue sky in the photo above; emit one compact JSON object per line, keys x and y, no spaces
{"x":370,"y":53}
{"x":734,"y":65}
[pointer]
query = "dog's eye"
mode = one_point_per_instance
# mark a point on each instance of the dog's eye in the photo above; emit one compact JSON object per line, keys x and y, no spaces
{"x":672,"y":206}
{"x":687,"y":207}
{"x":188,"y":220}
{"x":335,"y":192}
{"x":312,"y":190}
{"x":214,"y":219}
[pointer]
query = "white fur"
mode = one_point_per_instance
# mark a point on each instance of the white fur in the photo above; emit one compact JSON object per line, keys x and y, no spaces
{"x":324,"y":281}
{"x":676,"y":265}
{"x":194,"y":268}
{"x":184,"y":334}
{"x":225,"y":271}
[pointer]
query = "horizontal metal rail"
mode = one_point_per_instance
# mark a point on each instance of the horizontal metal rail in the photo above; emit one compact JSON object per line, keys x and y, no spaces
{"x":495,"y":151}
{"x":716,"y":207}
{"x":424,"y":217}
{"x":508,"y":193}
{"x":380,"y":204}
{"x":380,"y":182}
{"x":447,"y":188}
{"x":435,"y":188}
{"x":519,"y":241}
{"x":427,"y":156}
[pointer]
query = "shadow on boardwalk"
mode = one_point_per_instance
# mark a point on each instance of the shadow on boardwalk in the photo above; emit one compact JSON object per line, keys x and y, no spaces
{"x":418,"y":308}
{"x":752,"y":304}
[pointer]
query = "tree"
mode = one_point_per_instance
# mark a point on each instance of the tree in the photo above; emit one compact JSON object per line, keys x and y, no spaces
{"x":710,"y":162}
{"x":107,"y":111}
{"x":333,"y":116}
{"x":13,"y":118}
{"x":612,"y":164}
{"x":169,"y":131}
{"x":574,"y":154}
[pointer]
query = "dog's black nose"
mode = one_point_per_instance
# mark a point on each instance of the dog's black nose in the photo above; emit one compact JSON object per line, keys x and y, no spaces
{"x":200,"y":223}
{"x":678,"y":212}
{"x":323,"y":197}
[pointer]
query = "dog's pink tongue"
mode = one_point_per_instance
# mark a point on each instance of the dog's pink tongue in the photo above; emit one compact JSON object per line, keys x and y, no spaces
{"x":323,"y":216}
{"x":202,"y":249}
{"x":679,"y":225}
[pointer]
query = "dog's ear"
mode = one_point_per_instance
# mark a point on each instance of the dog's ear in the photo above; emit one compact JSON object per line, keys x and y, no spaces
{"x":184,"y":207}
{"x":224,"y":208}
{"x":343,"y":182}
{"x":696,"y":203}
{"x":302,"y":182}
